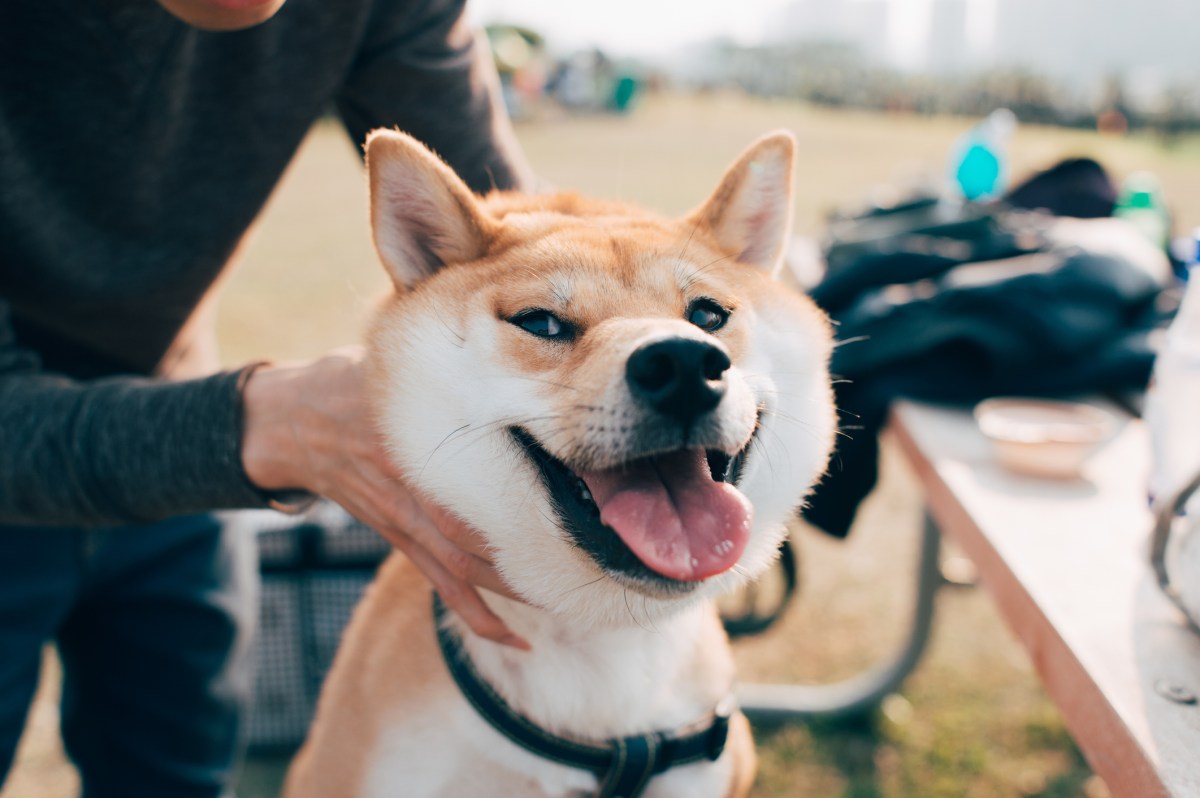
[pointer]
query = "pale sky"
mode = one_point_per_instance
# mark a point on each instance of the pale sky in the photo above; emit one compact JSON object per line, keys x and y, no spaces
{"x":649,"y":27}
{"x":630,"y":27}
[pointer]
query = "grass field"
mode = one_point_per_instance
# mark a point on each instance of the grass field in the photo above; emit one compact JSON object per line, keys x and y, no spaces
{"x":972,"y":721}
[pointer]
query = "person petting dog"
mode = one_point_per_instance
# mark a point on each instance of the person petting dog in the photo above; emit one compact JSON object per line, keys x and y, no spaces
{"x":138,"y":142}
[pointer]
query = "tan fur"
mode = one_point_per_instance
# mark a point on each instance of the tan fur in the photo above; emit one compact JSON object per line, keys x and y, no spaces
{"x":618,"y":275}
{"x":388,"y":658}
{"x":388,"y":664}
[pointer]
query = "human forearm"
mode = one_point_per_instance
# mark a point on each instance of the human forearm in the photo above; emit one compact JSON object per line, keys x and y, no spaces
{"x":425,"y":71}
{"x":118,"y":450}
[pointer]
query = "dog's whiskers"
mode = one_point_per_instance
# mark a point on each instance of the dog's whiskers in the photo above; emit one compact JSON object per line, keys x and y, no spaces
{"x":693,"y":277}
{"x":804,"y":425}
{"x":629,"y":609}
{"x":435,"y":449}
{"x":585,"y":584}
{"x":649,"y":615}
{"x":468,"y":429}
{"x":545,"y":381}
{"x":458,"y":340}
{"x":688,"y":242}
{"x":756,"y":444}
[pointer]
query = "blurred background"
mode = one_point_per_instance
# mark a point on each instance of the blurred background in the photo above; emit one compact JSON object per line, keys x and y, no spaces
{"x":1079,"y":63}
{"x":648,"y":101}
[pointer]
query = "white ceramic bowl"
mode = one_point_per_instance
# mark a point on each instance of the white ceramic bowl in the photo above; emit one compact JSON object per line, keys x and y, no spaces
{"x":1041,"y":437}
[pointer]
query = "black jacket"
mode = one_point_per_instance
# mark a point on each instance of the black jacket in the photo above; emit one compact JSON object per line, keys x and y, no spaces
{"x":958,"y":305}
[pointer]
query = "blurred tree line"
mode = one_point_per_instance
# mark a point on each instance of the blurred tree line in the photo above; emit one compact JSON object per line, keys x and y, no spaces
{"x":835,"y":74}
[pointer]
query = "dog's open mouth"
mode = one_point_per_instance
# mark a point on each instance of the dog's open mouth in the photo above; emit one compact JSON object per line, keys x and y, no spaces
{"x":675,"y":516}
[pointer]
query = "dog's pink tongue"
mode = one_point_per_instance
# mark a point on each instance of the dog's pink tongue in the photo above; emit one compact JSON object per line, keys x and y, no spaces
{"x":672,"y":514}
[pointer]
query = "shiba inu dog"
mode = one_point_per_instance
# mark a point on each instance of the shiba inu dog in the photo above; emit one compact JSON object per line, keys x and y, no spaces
{"x":629,"y":409}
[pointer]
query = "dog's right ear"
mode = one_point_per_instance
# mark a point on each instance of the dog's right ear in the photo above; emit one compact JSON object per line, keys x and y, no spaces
{"x":422,"y":214}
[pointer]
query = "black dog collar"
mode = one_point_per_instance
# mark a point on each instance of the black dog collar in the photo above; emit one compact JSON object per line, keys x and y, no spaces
{"x":623,"y":765}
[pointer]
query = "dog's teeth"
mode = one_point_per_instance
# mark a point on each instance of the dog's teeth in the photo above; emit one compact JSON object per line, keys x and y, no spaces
{"x":586,"y":494}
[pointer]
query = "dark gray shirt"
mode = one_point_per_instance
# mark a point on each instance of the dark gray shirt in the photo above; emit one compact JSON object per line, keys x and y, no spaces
{"x":134,"y":153}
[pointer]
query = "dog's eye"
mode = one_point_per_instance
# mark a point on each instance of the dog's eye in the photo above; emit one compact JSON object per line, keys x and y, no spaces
{"x":543,"y":324}
{"x":707,"y":315}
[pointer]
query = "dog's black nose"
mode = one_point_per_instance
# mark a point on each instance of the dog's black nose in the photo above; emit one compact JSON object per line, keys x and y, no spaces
{"x":679,"y":377}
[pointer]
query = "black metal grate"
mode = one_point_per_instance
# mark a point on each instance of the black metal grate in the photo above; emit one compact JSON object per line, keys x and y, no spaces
{"x":314,"y":570}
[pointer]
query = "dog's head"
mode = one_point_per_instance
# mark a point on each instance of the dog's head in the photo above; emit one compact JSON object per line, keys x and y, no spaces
{"x":620,"y":403}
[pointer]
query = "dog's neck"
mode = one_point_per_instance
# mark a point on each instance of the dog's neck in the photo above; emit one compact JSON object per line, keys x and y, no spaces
{"x":608,"y":681}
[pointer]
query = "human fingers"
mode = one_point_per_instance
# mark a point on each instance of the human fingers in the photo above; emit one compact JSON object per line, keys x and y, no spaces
{"x":457,"y":547}
{"x":458,"y":533}
{"x":463,"y":599}
{"x":461,"y":564}
{"x":400,"y":517}
{"x":458,"y":594}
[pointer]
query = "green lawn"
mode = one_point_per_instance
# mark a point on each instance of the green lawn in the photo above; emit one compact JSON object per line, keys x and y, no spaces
{"x":973,"y":720}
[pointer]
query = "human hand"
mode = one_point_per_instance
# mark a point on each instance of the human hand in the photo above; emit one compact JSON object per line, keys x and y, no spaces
{"x":307,"y":426}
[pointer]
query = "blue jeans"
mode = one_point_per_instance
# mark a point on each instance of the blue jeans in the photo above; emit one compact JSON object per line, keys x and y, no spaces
{"x":153,"y":626}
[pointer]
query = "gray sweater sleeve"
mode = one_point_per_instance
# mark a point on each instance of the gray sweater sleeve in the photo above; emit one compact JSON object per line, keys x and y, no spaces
{"x":127,"y":449}
{"x":116,"y":450}
{"x":423,"y":69}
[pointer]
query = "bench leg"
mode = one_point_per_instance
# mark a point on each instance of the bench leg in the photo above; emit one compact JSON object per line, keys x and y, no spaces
{"x":862,"y":692}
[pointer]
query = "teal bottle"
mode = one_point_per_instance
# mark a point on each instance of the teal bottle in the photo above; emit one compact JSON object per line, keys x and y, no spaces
{"x":979,"y":165}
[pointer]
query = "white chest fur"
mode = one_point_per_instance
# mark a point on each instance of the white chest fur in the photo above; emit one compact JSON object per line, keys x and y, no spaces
{"x":594,"y":685}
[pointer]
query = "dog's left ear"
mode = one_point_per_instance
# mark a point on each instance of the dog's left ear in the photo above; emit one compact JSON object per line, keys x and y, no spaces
{"x":422,"y":214}
{"x":750,"y":213}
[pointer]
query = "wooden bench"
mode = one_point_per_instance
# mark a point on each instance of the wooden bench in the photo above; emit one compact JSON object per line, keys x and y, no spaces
{"x":1067,"y":564}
